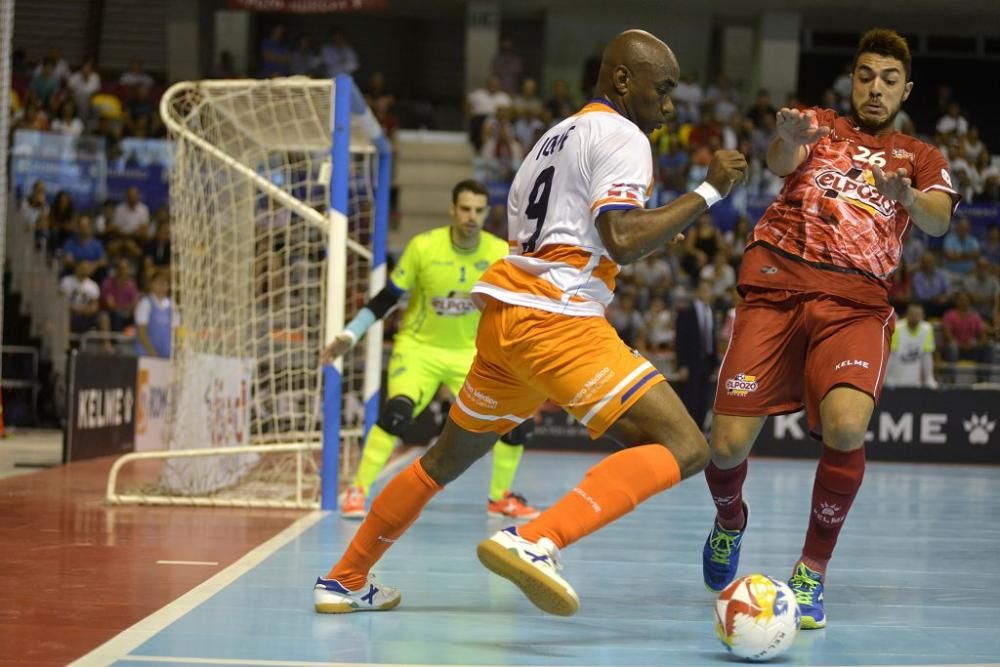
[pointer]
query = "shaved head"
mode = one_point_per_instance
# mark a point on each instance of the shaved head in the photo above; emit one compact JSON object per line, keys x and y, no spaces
{"x":638,"y":73}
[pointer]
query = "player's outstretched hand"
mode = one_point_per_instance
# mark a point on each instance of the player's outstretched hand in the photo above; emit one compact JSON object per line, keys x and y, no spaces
{"x":341,"y":344}
{"x":896,"y":185}
{"x":799,"y":128}
{"x":726,"y":169}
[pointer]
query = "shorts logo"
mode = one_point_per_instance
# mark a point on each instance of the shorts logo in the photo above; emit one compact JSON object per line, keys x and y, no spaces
{"x":851,"y":362}
{"x":482,"y":265}
{"x":946,"y":177}
{"x":479,"y":398}
{"x":591,"y":386}
{"x":741,"y":385}
{"x":769,"y":270}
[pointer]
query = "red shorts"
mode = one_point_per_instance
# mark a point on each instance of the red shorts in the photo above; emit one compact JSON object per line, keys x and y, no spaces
{"x":789,"y":349}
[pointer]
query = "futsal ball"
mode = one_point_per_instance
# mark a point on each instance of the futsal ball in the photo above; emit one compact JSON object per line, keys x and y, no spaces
{"x":757,"y":617}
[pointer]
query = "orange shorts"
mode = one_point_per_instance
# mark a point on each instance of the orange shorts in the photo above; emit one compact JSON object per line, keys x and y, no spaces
{"x":525,"y":356}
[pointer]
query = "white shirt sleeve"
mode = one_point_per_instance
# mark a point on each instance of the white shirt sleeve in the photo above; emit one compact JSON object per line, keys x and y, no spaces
{"x":621,"y":171}
{"x":142,"y":310}
{"x":67,"y":285}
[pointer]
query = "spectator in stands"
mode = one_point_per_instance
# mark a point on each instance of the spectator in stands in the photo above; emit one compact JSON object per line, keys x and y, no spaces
{"x":156,"y":254}
{"x":930,"y":286}
{"x":672,"y":162}
{"x":736,"y":240}
{"x":62,"y":217}
{"x":625,"y":318}
{"x":701,"y":243}
{"x":527,"y":99}
{"x":652,"y":276}
{"x":381,"y":101}
{"x":904,"y":124}
{"x":304,"y":61}
{"x":501,"y":152}
{"x":842,"y":84}
{"x":120,"y":295}
{"x":482,"y":103}
{"x":84,"y":298}
{"x":154,"y":319}
{"x":911,"y":356}
{"x":529,"y":127}
{"x":67,"y":122}
{"x":561,"y":104}
{"x":762,"y":108}
{"x":953,"y":122}
{"x":224,"y":67}
{"x":275,"y":59}
{"x":131,"y":217}
{"x":507,"y":67}
{"x":84,"y":247}
{"x":82,"y":85}
{"x":657,"y":333}
{"x":135,"y":76}
{"x":972,"y":148}
{"x":987,"y":178}
{"x":687,"y":98}
{"x":964,"y":332}
{"x":59,"y":65}
{"x":913,"y":248}
{"x":338,"y":56}
{"x":982,"y":286}
{"x":961,"y":249}
{"x":991,"y":246}
{"x":45,"y":83}
{"x":719,"y":274}
{"x":33,"y":206}
{"x":901,"y":288}
{"x":138,"y":110}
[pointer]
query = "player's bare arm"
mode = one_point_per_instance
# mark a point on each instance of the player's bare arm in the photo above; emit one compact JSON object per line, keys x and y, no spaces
{"x":930,"y":211}
{"x":374,"y":310}
{"x":632,"y":234}
{"x":795,"y":131}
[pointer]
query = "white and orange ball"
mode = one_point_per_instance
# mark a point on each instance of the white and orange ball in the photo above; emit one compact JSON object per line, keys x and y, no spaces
{"x":757,"y":617}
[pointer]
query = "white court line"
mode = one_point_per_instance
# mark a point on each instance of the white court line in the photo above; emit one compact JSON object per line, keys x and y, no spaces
{"x":121,"y":645}
{"x":304,"y":663}
{"x":187,"y":562}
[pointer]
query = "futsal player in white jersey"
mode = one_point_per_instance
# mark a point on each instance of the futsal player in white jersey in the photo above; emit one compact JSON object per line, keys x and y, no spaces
{"x":576,"y":211}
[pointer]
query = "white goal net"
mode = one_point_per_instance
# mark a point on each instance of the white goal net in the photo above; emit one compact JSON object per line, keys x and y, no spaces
{"x":265,"y":270}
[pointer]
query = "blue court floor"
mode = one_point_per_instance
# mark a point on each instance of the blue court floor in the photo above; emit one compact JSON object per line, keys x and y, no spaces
{"x":914,"y":581}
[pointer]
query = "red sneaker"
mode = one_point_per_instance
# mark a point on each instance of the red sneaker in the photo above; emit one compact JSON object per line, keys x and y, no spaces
{"x":353,"y":504}
{"x":511,"y":506}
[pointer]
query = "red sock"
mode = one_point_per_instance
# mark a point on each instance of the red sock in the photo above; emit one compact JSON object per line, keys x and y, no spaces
{"x":726,"y":487}
{"x":838,"y":478}
{"x":609,"y":490}
{"x":391,"y":514}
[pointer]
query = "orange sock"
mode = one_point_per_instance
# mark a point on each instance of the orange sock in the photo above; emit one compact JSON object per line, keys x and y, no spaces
{"x":391,"y":514}
{"x":609,"y":490}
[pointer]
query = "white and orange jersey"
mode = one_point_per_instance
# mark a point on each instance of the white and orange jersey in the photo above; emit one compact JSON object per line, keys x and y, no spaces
{"x":594,"y":161}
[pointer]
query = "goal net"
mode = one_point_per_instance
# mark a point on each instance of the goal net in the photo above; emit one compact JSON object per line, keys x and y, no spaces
{"x":277,"y":198}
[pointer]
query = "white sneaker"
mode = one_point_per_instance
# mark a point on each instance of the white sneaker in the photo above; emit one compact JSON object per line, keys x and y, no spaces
{"x":332,"y":598}
{"x":532,"y":567}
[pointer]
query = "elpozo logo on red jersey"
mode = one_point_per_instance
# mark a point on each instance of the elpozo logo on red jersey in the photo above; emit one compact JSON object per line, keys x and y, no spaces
{"x":741,"y":385}
{"x":856,"y":187}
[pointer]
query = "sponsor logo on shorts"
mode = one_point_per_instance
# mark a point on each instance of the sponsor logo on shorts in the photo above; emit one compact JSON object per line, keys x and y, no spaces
{"x":479,"y":398}
{"x":769,"y":270}
{"x":482,"y":265}
{"x":593,"y":385}
{"x":851,"y":362}
{"x":741,"y":385}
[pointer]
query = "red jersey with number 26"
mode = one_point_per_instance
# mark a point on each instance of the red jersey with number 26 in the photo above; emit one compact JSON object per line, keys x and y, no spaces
{"x":829,"y":213}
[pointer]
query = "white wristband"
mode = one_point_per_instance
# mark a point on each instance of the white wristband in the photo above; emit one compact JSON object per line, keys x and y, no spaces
{"x":353,"y":336}
{"x":708,"y":192}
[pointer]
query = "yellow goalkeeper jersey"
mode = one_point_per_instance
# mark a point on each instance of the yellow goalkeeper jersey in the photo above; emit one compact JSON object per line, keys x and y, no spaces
{"x":439,"y":278}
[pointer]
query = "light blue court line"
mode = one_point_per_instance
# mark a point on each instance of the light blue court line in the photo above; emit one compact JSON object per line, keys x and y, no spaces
{"x":913,"y":581}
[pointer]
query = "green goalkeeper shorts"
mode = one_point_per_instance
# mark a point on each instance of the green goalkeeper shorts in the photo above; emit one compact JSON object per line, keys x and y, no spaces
{"x":416,"y":371}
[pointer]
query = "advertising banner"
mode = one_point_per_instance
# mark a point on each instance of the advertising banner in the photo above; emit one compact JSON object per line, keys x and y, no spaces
{"x":154,"y":402}
{"x":100,"y":405}
{"x":74,"y":164}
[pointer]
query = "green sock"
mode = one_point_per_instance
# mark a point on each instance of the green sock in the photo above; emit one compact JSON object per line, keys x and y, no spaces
{"x":505,"y":460}
{"x":378,"y":447}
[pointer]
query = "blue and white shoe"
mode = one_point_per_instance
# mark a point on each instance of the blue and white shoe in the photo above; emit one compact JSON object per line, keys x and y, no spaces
{"x":531,"y":566}
{"x":332,"y":598}
{"x":808,"y":588}
{"x":721,"y":556}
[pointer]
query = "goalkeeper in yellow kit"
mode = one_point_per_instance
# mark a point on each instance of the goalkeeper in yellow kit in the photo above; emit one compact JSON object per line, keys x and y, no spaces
{"x":435,"y":344}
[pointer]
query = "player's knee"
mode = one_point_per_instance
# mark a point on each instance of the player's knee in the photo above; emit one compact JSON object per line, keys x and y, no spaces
{"x":730,"y":445}
{"x":521,"y":434}
{"x":693,"y":456}
{"x":396,"y":415}
{"x":844,"y":431}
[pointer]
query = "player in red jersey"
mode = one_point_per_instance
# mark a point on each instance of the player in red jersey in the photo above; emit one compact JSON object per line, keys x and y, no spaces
{"x":815,"y":325}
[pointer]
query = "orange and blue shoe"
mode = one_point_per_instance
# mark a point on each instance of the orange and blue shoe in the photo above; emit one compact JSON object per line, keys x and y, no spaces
{"x":808,"y":588}
{"x":511,"y":506}
{"x":721,"y":556}
{"x":330,"y":597}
